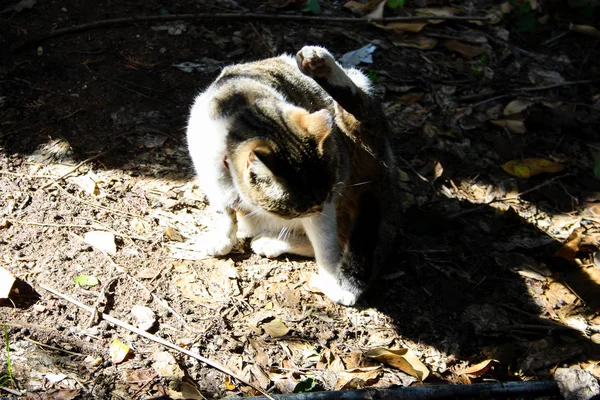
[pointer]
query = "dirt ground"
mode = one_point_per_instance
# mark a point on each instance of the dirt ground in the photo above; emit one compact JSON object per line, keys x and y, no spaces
{"x":496,"y":272}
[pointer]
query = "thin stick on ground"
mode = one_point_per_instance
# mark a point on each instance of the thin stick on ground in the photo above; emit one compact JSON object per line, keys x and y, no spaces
{"x":75,"y":168}
{"x":238,"y":17}
{"x":156,"y":339}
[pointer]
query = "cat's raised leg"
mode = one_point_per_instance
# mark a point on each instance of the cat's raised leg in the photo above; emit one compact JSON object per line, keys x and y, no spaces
{"x":322,"y":232}
{"x":349,"y":87}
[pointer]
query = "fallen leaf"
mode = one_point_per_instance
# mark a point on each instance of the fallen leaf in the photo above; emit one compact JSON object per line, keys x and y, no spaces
{"x":92,"y":362}
{"x":403,"y":359}
{"x":7,"y":279}
{"x":166,"y":366}
{"x":103,"y":241}
{"x":585,"y":29}
{"x":438,"y":12}
{"x":467,"y":51}
{"x":417,"y":42}
{"x":542,"y":77}
{"x":86,"y":280}
{"x":479,"y":368}
{"x":118,"y":351}
{"x":275,"y":328}
{"x":355,"y":57}
{"x":358,"y":378}
{"x":144,"y":317}
{"x":312,"y":6}
{"x":377,"y":13}
{"x":148,"y":273}
{"x":571,"y":246}
{"x":139,"y":375}
{"x":185,"y":391}
{"x":513,"y":125}
{"x":173,"y":234}
{"x":401,"y":27}
{"x":438,"y":170}
{"x":63,"y":394}
{"x":529,"y":167}
{"x":410,"y":98}
{"x":229,"y":385}
{"x":55,"y":378}
{"x":516,"y":106}
{"x":87,"y":184}
{"x":356,"y":7}
{"x":140,"y":226}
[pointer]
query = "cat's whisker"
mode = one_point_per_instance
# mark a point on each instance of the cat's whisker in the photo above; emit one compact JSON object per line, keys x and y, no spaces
{"x":253,"y":213}
{"x":356,"y":184}
{"x":282,"y":233}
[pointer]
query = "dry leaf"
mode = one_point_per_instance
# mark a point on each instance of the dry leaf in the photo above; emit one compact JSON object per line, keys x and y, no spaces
{"x":438,"y":12}
{"x":438,"y":170}
{"x":410,"y":98}
{"x":173,"y":234}
{"x":275,"y":328}
{"x":479,"y":368}
{"x":467,"y":51}
{"x":103,"y":241}
{"x":185,"y":391}
{"x":377,"y":13}
{"x":513,"y":125}
{"x":585,"y":29}
{"x":401,"y":27}
{"x":139,"y":375}
{"x":148,"y":273}
{"x":357,"y":378}
{"x":356,"y":7}
{"x":417,"y":42}
{"x":166,"y":366}
{"x":63,"y":394}
{"x":118,"y":351}
{"x":229,"y":385}
{"x":403,"y":359}
{"x":140,"y":226}
{"x":571,"y":246}
{"x":87,"y":184}
{"x":516,"y":106}
{"x":529,"y":167}
{"x":7,"y":279}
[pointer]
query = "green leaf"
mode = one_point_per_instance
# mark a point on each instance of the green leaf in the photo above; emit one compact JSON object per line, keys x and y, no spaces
{"x":306,"y":385}
{"x":312,"y":6}
{"x":86,"y":280}
{"x":395,"y":3}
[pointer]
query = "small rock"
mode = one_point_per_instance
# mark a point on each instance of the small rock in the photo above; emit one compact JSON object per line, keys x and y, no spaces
{"x":166,"y":366}
{"x":576,"y":384}
{"x":144,"y":316}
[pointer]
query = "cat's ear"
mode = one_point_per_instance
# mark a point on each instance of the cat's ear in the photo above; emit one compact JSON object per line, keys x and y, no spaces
{"x":261,"y":159}
{"x":317,"y":124}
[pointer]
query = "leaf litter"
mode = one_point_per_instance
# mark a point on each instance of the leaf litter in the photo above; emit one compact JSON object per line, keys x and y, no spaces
{"x":464,"y":99}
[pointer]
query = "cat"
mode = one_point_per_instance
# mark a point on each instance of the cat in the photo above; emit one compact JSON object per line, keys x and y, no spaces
{"x":295,"y":153}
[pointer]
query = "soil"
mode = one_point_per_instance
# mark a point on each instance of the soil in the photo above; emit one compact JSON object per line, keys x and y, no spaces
{"x":491,"y":266}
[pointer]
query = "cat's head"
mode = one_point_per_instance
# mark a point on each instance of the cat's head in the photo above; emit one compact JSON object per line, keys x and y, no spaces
{"x":291,"y":172}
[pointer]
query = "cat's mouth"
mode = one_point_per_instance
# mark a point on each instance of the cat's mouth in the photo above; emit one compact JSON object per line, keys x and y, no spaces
{"x":291,"y":214}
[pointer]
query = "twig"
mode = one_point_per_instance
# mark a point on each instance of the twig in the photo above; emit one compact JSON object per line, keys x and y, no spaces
{"x":52,"y":347}
{"x":11,"y":391}
{"x":156,"y":339}
{"x":75,"y":168}
{"x":92,"y":226}
{"x":555,"y":38}
{"x":236,"y":16}
{"x":516,"y":92}
{"x":94,"y":315}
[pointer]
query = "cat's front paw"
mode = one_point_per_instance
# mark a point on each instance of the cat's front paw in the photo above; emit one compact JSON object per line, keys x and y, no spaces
{"x":268,"y":247}
{"x":213,"y":245}
{"x":315,"y":62}
{"x":331,"y":287}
